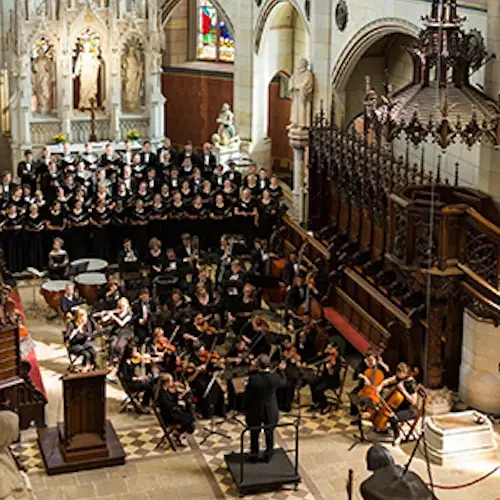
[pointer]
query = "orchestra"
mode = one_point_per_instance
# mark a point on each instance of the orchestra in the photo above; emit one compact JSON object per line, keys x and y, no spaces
{"x":180,"y":319}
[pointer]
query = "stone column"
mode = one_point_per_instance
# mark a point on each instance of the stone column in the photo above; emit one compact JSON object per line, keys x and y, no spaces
{"x":299,"y":140}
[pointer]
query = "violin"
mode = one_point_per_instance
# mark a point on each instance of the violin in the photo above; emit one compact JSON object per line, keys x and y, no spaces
{"x":140,"y":358}
{"x":164,"y":345}
{"x":292,"y":355}
{"x":209,"y":357}
{"x":207,"y":328}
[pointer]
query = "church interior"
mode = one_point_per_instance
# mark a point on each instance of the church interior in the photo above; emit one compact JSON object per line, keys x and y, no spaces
{"x":250,"y":248}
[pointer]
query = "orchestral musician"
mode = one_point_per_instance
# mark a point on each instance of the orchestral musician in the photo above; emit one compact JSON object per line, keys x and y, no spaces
{"x":142,"y":312}
{"x":328,"y":378}
{"x":174,"y":409}
{"x":78,"y":338}
{"x":406,"y":385}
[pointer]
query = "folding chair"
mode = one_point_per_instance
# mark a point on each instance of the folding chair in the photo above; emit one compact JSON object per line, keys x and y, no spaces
{"x":334,"y":396}
{"x":131,"y":400}
{"x":167,"y":429}
{"x":73,"y":358}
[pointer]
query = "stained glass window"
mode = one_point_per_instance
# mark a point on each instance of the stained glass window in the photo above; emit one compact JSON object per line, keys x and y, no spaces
{"x":215,"y":42}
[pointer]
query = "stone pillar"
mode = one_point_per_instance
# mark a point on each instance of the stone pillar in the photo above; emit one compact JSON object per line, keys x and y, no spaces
{"x":299,"y":140}
{"x":492,"y":69}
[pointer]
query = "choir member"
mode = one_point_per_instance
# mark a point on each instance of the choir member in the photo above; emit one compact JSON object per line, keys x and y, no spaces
{"x":34,"y":224}
{"x":78,"y":222}
{"x":208,"y":161}
{"x":138,"y":219}
{"x":26,"y":170}
{"x":13,"y":239}
{"x":58,"y":260}
{"x":268,"y":209}
{"x":233,"y":175}
{"x":100,"y":220}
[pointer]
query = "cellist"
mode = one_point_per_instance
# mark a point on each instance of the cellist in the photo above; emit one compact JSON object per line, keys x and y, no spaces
{"x":405,"y":395}
{"x":369,"y":374}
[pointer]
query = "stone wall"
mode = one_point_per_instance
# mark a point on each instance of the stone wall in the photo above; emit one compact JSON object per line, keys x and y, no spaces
{"x":176,"y":35}
{"x":480,"y":368}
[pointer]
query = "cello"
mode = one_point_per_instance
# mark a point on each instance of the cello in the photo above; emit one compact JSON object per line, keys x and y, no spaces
{"x":390,"y":405}
{"x":368,"y":395}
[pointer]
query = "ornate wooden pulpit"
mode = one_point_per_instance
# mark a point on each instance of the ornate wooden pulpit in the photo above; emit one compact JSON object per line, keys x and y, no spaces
{"x":86,"y":439}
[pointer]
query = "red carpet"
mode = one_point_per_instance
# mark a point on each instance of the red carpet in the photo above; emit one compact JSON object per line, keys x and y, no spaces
{"x":28,"y":349}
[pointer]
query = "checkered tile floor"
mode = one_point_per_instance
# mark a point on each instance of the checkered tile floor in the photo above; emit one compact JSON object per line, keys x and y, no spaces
{"x":141,"y":442}
{"x":215,"y":461}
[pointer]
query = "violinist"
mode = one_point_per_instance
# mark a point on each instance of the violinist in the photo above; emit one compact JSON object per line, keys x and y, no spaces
{"x":327,"y":379}
{"x":305,"y":341}
{"x":288,"y":353}
{"x":78,"y":338}
{"x":366,"y":376}
{"x":254,"y":334}
{"x":171,"y":401}
{"x":109,"y":294}
{"x":164,"y":350}
{"x":238,"y":361}
{"x":135,"y":381}
{"x":404,"y":384}
{"x":121,"y":321}
{"x":201,"y":331}
{"x":202,"y":364}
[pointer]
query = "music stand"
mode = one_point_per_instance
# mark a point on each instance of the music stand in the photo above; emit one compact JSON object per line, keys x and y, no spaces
{"x":212,"y":430}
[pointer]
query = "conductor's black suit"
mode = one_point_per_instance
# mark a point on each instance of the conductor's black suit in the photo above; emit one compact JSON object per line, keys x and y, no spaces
{"x":262,"y":407}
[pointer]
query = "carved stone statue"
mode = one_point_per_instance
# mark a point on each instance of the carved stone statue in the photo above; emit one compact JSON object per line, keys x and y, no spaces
{"x":132,"y":74}
{"x":226,"y":131}
{"x":42,"y":79}
{"x":301,"y":87}
{"x":87,"y":68}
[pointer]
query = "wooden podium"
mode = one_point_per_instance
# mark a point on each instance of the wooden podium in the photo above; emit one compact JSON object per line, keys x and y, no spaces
{"x":85,"y":440}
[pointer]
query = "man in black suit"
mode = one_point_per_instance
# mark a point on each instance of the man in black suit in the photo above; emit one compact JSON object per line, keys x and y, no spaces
{"x":233,"y":175}
{"x":262,"y":405}
{"x":208,"y":161}
{"x":148,"y":158}
{"x":172,"y":155}
{"x":143,"y":316}
{"x":26,"y":171}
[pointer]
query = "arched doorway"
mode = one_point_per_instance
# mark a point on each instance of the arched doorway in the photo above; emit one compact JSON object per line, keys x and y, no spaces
{"x":281,"y":40}
{"x":387,"y":61}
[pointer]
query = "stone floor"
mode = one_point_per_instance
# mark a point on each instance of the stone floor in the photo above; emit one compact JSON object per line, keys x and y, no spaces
{"x":198,"y":472}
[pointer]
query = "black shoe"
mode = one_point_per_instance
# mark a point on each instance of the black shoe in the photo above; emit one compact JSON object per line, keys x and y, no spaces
{"x":252,"y":458}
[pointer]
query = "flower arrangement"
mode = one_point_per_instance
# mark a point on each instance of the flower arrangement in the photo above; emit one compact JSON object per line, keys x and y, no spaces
{"x":59,"y":138}
{"x":133,"y":135}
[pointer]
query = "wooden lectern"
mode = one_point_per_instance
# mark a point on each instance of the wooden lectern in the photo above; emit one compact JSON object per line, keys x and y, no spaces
{"x":85,"y":440}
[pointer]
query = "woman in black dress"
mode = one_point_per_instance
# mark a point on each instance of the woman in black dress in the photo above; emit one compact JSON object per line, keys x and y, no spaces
{"x":186,"y":192}
{"x":155,"y":260}
{"x":139,"y":219}
{"x":199,"y":214}
{"x":118,"y":228}
{"x":78,"y":231}
{"x":58,"y":260}
{"x":13,"y":239}
{"x":157,"y":218}
{"x":100,"y":221}
{"x":253,"y":186}
{"x":246,"y":215}
{"x":177,"y":216}
{"x":174,"y":410}
{"x":207,"y":194}
{"x":220,"y":213}
{"x":54,"y":226}
{"x":267,"y":214}
{"x":34,"y":225}
{"x":275,"y":189}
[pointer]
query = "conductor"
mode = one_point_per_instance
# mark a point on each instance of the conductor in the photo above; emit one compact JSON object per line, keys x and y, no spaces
{"x":262,"y":405}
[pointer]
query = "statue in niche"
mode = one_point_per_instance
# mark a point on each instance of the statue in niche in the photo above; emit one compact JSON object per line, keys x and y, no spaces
{"x":42,"y":80}
{"x":87,"y":67}
{"x":226,"y":131}
{"x":301,"y":88}
{"x":132,"y":78}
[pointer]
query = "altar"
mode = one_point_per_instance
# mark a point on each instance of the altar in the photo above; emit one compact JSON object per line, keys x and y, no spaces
{"x":87,"y":70}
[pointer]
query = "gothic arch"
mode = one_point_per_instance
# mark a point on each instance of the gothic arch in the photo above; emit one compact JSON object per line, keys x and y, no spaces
{"x":168,"y":6}
{"x":264,"y":15}
{"x":352,"y":52}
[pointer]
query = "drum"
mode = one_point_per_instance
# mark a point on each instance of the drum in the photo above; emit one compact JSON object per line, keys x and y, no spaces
{"x":91,"y":265}
{"x":89,"y":285}
{"x":52,"y":292}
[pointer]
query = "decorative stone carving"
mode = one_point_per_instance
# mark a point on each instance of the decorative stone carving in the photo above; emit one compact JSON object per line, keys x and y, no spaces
{"x":226,"y":131}
{"x":87,"y":69}
{"x":132,"y":78}
{"x":341,"y":15}
{"x":42,"y":79}
{"x":301,"y":87}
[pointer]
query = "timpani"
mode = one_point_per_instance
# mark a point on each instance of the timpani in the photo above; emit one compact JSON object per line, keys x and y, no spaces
{"x":89,"y":284}
{"x":53,"y":291}
{"x":92,"y":265}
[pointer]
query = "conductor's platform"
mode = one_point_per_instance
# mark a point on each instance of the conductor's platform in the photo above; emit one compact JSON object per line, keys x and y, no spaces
{"x":251,"y":477}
